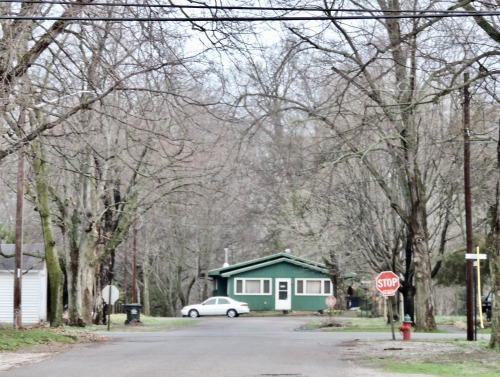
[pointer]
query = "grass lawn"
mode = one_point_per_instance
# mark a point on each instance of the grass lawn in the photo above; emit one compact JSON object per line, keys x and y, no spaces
{"x":11,"y":340}
{"x":446,"y":358}
{"x":379,"y":324}
{"x":146,"y":324}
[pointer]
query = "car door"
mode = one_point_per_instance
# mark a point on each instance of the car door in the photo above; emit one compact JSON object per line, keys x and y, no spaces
{"x":209,"y":307}
{"x":223,"y":305}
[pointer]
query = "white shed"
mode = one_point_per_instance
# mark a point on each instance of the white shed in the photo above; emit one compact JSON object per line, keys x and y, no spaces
{"x":34,"y":284}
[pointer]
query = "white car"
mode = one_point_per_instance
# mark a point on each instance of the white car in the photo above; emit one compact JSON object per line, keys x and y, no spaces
{"x":216,"y":306}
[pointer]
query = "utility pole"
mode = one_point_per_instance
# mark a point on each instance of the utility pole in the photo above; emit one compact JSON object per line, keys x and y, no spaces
{"x":468,"y":212}
{"x":18,"y":269}
{"x":134,"y":266}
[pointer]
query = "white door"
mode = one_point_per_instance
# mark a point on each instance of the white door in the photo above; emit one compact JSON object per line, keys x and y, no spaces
{"x":283,"y":294}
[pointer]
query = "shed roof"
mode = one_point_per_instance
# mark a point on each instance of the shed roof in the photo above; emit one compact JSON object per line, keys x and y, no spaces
{"x":268,"y":261}
{"x":35,"y":261}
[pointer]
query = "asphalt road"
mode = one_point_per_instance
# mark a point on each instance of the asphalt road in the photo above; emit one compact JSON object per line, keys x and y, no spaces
{"x":216,"y":347}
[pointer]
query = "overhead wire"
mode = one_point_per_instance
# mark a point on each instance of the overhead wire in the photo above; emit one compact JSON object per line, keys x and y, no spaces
{"x":219,"y":19}
{"x":339,"y":13}
{"x":236,"y":7}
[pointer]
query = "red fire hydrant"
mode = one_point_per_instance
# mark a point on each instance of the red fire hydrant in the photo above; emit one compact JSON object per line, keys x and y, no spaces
{"x":405,"y":328}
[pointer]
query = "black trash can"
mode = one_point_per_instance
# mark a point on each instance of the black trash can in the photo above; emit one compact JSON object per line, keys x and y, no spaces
{"x":133,"y":313}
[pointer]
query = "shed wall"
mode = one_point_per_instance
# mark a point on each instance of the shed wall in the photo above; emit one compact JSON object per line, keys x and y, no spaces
{"x":34,"y":297}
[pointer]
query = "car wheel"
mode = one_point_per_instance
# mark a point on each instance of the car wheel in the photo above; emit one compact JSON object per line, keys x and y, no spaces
{"x":193,"y":313}
{"x":231,"y":313}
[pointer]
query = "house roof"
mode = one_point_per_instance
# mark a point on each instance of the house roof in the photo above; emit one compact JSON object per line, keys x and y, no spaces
{"x":268,"y":261}
{"x":34,"y":261}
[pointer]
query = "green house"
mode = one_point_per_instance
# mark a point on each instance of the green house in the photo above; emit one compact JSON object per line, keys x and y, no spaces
{"x":276,"y":282}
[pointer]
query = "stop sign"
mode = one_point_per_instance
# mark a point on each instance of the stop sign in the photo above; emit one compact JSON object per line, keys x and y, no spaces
{"x":330,"y":301}
{"x":387,"y":283}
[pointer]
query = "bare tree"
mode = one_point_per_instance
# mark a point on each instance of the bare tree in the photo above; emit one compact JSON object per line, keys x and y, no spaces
{"x":386,"y":68}
{"x":117,"y":155}
{"x":490,"y":27}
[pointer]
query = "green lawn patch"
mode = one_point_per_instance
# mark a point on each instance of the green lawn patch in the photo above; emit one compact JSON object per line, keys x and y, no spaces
{"x":446,"y":358}
{"x":464,"y":359}
{"x":146,"y":323}
{"x":11,"y":340}
{"x":378,"y":324}
{"x":454,"y":369}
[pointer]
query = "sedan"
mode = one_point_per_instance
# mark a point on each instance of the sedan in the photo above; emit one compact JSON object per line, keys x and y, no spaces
{"x":216,"y":306}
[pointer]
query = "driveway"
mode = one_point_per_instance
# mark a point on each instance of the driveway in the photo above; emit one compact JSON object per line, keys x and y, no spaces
{"x":215,"y":347}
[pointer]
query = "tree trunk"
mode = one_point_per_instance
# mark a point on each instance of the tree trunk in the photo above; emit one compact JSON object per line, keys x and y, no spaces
{"x":408,"y":292}
{"x":494,"y":262}
{"x":424,"y":306}
{"x":494,"y":257}
{"x":56,"y":277}
{"x":146,"y":308}
{"x":417,"y":224}
{"x":73,"y":274}
{"x":337,"y":278}
{"x":88,"y":280}
{"x":82,"y":242}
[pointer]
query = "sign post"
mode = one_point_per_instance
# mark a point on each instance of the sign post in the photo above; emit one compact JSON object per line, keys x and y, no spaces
{"x":477,"y":288}
{"x":330,"y":301}
{"x":387,"y":283}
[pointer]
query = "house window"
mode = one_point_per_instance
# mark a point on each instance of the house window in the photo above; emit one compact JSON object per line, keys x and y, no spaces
{"x":313,"y":287}
{"x":300,"y":286}
{"x":252,"y":287}
{"x":327,"y":287}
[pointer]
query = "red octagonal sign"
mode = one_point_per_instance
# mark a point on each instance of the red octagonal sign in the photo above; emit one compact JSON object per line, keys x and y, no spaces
{"x":387,"y":283}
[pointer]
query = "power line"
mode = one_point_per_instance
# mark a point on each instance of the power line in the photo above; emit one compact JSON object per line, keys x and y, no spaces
{"x":238,"y":18}
{"x":171,"y":6}
{"x":354,"y":14}
{"x":439,"y":13}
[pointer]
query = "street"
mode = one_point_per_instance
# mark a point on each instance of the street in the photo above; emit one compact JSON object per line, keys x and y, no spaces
{"x":216,"y":347}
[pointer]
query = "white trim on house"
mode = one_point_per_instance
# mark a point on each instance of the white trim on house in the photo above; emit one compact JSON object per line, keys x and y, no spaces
{"x":241,"y":286}
{"x":307,"y":287}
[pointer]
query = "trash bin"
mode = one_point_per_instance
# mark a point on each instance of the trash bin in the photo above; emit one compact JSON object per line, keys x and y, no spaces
{"x":133,"y":313}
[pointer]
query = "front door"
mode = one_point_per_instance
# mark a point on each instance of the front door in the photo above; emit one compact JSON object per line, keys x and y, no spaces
{"x":283,"y":294}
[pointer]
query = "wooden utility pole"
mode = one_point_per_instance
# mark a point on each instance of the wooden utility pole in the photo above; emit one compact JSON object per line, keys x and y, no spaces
{"x":18,"y":269}
{"x":468,"y":212}
{"x":134,"y":266}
